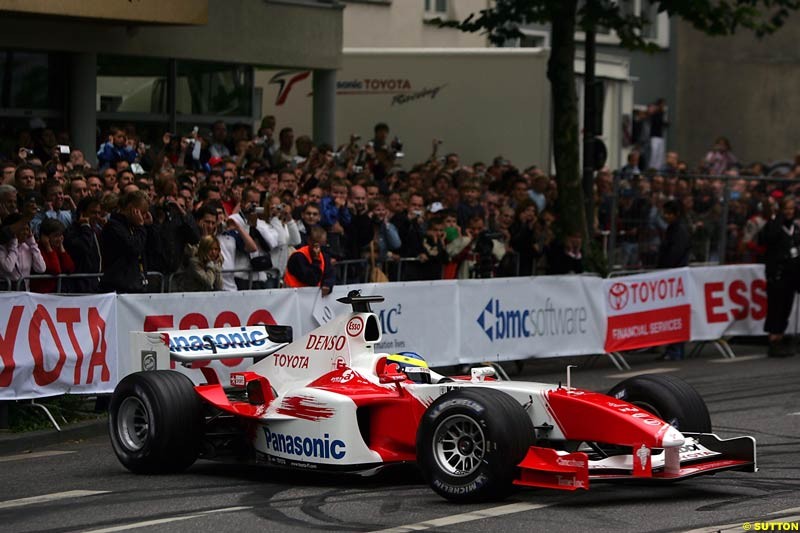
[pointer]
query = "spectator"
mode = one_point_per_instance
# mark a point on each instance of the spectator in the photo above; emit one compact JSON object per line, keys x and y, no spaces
{"x":231,"y":237}
{"x":658,"y":123}
{"x":82,"y":242}
{"x":435,"y":256}
{"x":25,"y":179}
{"x":123,"y":244}
{"x":526,"y":237}
{"x":720,"y":158}
{"x":174,"y":224}
{"x":335,"y":217}
{"x":781,"y":237}
{"x":674,"y":249}
{"x":115,"y":149}
{"x":565,"y":257}
{"x":265,"y":238}
{"x":284,"y":155}
{"x":288,"y":236}
{"x":310,"y":266}
{"x":309,"y":219}
{"x":470,"y":205}
{"x":20,"y":255}
{"x":219,"y":139}
{"x":8,"y":201}
{"x":203,"y":272}
{"x":54,"y":207}
{"x":56,"y":259}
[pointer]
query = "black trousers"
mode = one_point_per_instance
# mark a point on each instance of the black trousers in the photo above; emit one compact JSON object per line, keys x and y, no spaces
{"x":780,"y":298}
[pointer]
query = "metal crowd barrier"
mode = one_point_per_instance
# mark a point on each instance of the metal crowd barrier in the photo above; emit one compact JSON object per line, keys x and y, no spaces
{"x":23,"y":284}
{"x":717,"y":208}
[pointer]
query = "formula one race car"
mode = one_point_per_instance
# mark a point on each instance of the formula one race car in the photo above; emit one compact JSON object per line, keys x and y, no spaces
{"x":327,"y":401}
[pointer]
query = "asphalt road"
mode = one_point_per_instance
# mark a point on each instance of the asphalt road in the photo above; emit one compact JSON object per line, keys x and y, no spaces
{"x":80,"y":486}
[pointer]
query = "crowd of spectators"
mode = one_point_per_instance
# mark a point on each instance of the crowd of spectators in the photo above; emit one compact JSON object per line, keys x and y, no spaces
{"x":230,"y":209}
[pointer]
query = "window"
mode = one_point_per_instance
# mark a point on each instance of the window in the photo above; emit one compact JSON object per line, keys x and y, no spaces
{"x":657,"y":31}
{"x":533,"y":39}
{"x":31,"y":80}
{"x":436,"y":9}
{"x":213,"y":88}
{"x":131,"y":84}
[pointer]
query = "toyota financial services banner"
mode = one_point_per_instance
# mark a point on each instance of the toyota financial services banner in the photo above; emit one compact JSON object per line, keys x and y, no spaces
{"x":647,"y":309}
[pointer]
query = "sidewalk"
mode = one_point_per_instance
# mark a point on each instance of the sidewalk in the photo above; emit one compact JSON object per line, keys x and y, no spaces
{"x":14,"y":443}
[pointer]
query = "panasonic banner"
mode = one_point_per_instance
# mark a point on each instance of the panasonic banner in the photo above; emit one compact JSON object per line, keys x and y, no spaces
{"x":517,"y":318}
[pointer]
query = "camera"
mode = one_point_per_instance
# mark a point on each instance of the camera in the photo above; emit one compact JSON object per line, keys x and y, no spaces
{"x":254,"y":208}
{"x":397,"y":148}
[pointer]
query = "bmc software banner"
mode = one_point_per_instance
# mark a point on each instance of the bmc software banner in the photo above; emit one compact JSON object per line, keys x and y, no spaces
{"x":517,"y":318}
{"x":647,"y":309}
{"x":52,"y":345}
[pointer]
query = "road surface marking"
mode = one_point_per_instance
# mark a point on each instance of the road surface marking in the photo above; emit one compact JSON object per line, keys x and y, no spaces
{"x":791,"y":510}
{"x":8,"y":504}
{"x":467,"y":517}
{"x":155,"y":522}
{"x":795,"y":414}
{"x":738,"y":359}
{"x":34,"y":455}
{"x":660,"y":370}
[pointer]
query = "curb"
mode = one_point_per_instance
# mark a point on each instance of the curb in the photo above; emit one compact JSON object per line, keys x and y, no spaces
{"x":11,"y":443}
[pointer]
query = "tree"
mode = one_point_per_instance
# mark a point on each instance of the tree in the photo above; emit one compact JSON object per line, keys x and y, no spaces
{"x":502,"y":21}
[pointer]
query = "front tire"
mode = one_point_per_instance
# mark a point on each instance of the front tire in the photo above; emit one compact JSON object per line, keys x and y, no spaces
{"x":155,"y":422}
{"x":671,"y":399}
{"x":470,"y":442}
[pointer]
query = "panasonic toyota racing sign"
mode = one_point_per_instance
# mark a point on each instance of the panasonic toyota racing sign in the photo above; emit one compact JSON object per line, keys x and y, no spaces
{"x":647,"y":310}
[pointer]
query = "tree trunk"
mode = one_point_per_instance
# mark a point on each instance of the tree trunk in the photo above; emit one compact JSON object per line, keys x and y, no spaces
{"x":561,"y":73}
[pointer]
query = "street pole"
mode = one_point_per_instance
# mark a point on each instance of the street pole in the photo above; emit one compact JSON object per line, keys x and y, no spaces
{"x":589,"y":128}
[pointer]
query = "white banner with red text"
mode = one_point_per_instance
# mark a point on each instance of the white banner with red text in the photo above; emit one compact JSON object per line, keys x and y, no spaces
{"x":52,"y":345}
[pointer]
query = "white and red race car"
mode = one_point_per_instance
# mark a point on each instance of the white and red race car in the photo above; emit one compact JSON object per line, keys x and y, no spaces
{"x":327,"y":401}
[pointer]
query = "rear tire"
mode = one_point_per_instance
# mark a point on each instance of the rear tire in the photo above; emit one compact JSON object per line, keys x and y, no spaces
{"x":671,"y":399}
{"x":470,"y":442}
{"x":156,"y":422}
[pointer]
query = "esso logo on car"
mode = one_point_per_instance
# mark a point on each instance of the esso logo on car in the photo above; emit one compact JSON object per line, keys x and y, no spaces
{"x":355,"y":326}
{"x":735,"y":300}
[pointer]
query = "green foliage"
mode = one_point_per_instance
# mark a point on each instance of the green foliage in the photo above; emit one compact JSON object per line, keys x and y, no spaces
{"x":713,"y":17}
{"x":22,"y":416}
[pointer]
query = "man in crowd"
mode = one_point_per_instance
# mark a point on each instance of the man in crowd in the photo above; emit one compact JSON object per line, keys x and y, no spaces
{"x":124,"y":243}
{"x":310,"y":265}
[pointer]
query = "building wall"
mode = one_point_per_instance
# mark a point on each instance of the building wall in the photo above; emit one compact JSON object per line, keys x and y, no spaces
{"x":739,"y":87}
{"x":238,"y":31}
{"x":141,"y":11}
{"x":401,"y":24}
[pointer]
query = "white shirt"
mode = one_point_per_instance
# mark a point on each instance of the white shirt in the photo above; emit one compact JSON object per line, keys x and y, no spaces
{"x":288,"y":236}
{"x":227,"y":247}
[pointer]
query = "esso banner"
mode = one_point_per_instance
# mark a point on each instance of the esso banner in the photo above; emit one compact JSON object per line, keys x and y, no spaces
{"x":517,"y":318}
{"x":728,"y":300}
{"x":418,"y":316}
{"x":201,"y":310}
{"x":647,"y":309}
{"x":52,"y":345}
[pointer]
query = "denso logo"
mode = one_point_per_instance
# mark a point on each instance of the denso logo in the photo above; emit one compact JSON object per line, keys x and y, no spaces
{"x":640,"y":292}
{"x":548,"y":320}
{"x":325,"y":342}
{"x":322,"y":448}
{"x":290,"y":361}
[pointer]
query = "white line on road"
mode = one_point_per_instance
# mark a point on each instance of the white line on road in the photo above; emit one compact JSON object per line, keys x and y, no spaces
{"x":738,"y":359}
{"x":660,"y":370}
{"x":790,"y":510}
{"x":8,"y":504}
{"x":467,"y":517}
{"x":794,"y":414}
{"x":34,"y":455}
{"x":155,"y":522}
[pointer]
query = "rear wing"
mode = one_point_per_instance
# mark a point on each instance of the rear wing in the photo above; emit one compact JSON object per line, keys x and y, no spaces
{"x":191,"y":345}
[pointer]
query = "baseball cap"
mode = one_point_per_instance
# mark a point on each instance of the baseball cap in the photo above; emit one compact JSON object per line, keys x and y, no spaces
{"x":435,"y":207}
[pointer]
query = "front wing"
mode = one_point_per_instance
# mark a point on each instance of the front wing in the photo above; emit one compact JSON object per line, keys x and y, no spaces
{"x":702,"y":453}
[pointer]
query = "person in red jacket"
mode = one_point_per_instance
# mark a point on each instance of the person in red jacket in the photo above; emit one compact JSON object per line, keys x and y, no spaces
{"x":56,"y":259}
{"x":310,"y":266}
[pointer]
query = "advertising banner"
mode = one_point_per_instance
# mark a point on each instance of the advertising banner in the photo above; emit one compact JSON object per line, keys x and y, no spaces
{"x":728,"y":300}
{"x":419,"y":316}
{"x":52,"y":345}
{"x":647,"y":309}
{"x":201,"y":310}
{"x":517,"y":318}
